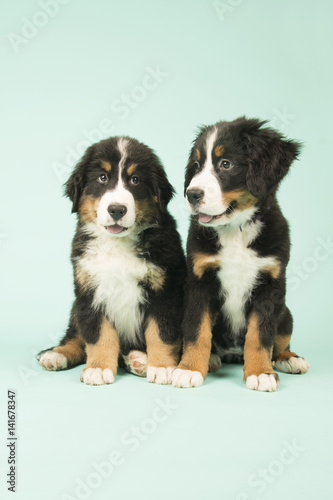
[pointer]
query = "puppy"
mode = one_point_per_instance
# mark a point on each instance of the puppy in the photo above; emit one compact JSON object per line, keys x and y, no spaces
{"x":129,"y":267}
{"x":237,"y":252}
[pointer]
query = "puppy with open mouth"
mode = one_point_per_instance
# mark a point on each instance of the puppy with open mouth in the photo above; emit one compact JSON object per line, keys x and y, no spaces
{"x":129,"y":267}
{"x":237,"y":253}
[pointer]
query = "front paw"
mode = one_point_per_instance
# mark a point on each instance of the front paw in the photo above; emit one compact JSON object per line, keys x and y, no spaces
{"x":265,"y":382}
{"x":97,"y":376}
{"x":159,"y":375}
{"x":186,"y":378}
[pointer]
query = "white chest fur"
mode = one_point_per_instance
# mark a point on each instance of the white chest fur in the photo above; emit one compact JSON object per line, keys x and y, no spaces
{"x":115,"y":272}
{"x":240,"y":271}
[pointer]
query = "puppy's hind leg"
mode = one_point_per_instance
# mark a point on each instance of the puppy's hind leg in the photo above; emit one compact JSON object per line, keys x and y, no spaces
{"x":136,"y":362}
{"x":69,"y":353}
{"x":285,"y":360}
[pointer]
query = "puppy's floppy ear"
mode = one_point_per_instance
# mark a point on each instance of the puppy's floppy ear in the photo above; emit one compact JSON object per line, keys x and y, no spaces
{"x":193,"y":156}
{"x":162,"y":187}
{"x":270,"y":155}
{"x":75,"y":184}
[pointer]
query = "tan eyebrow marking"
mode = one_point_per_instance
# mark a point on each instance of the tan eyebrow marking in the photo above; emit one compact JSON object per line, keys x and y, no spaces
{"x":106,"y":165}
{"x":219,"y":151}
{"x":197,"y":152}
{"x":131,"y":169}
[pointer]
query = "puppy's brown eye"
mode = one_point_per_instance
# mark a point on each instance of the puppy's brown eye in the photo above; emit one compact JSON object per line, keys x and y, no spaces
{"x":196,"y":165}
{"x":226,"y":164}
{"x":103,"y":179}
{"x":134,"y":180}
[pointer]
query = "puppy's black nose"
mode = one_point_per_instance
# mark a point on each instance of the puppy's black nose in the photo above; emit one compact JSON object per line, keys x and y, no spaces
{"x":117,"y":211}
{"x":194,"y":196}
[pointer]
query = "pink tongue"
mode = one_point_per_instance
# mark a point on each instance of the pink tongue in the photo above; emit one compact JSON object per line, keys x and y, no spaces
{"x":205,"y":218}
{"x":114,"y":229}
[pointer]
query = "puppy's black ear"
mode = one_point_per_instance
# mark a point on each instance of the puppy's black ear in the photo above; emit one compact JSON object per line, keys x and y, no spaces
{"x":270,"y":155}
{"x":75,"y":184}
{"x":194,"y":156}
{"x":162,"y":188}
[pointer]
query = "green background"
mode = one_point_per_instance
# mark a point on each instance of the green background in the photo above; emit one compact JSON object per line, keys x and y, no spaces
{"x":63,"y":85}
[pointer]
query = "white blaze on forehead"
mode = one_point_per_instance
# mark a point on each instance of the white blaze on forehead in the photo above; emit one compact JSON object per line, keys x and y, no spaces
{"x":209,"y":148}
{"x":122,"y":146}
{"x":206,"y":180}
{"x":118,"y":195}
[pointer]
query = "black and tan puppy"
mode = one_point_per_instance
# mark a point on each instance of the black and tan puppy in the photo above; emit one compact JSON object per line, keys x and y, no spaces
{"x":128,"y":265}
{"x":238,"y":249}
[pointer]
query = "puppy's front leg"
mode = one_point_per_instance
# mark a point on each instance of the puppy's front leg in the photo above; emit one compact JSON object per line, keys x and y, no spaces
{"x":162,"y":353}
{"x":258,"y":371}
{"x":193,"y":367}
{"x":102,"y":356}
{"x":201,"y":293}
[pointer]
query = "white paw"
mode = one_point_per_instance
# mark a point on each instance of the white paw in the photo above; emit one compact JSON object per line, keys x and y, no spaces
{"x":51,"y":360}
{"x":292,"y":365}
{"x":97,"y":376}
{"x":186,"y":378}
{"x":159,"y":375}
{"x":264,"y":382}
{"x":136,"y":362}
{"x":215,"y":363}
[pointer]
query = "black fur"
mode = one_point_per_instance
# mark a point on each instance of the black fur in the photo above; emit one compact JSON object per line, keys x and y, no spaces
{"x":261,"y":157}
{"x":157,"y":241}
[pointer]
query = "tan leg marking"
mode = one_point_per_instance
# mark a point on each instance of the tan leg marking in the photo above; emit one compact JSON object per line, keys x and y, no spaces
{"x":273,"y":269}
{"x":281,"y":350}
{"x":82,"y":277}
{"x":202,"y":262}
{"x":106,"y":165}
{"x":73,"y":350}
{"x":159,"y":353}
{"x":104,"y":354}
{"x":257,"y":359}
{"x":196,"y":354}
{"x":156,"y":279}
